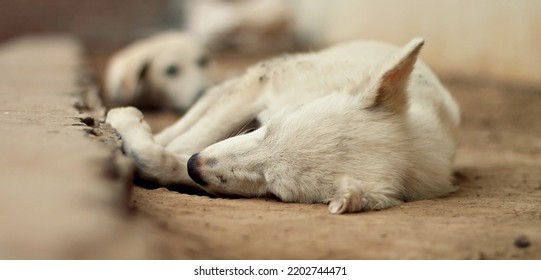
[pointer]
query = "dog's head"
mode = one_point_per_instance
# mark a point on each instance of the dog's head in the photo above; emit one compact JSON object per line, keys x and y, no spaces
{"x":299,"y":153}
{"x":164,"y":71}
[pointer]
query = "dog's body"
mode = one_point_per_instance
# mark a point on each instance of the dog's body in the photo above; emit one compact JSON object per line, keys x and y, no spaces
{"x":166,"y":70}
{"x":361,"y":126}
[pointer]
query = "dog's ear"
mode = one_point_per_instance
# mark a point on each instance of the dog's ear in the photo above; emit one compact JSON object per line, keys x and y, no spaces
{"x":389,"y":79}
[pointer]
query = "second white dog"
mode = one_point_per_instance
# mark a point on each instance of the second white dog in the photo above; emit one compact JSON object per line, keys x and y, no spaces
{"x":165,"y":71}
{"x":360,"y":126}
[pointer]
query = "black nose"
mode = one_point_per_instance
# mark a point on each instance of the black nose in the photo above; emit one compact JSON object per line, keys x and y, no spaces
{"x":193,"y":170}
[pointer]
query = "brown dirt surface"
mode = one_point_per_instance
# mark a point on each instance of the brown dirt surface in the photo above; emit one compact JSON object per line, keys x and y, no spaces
{"x":497,"y":167}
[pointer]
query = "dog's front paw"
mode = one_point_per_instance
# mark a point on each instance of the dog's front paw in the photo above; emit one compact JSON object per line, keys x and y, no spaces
{"x":121,"y":118}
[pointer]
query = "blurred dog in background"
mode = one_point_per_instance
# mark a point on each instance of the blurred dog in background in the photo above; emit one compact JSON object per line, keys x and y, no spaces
{"x":170,"y":70}
{"x":165,"y":71}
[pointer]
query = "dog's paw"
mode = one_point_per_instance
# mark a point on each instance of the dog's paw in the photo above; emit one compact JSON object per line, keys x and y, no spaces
{"x":120,"y":118}
{"x":347,"y":199}
{"x":338,"y":206}
{"x":346,"y":204}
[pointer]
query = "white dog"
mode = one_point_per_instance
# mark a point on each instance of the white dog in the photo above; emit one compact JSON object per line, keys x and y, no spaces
{"x":360,"y":126}
{"x":167,"y":70}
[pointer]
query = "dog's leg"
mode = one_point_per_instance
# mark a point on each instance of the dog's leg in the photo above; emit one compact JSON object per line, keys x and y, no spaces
{"x":151,"y":159}
{"x":353,"y":196}
{"x":232,"y":109}
{"x":194,"y":114}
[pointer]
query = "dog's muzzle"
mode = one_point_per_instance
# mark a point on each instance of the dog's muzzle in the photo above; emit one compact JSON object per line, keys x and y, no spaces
{"x":193,"y":170}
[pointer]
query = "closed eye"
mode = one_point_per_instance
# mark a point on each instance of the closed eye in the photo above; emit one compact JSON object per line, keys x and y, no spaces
{"x":248,"y":127}
{"x":249,"y":130}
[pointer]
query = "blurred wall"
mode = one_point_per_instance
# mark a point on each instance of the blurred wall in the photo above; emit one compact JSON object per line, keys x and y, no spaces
{"x":498,"y":39}
{"x":94,"y":21}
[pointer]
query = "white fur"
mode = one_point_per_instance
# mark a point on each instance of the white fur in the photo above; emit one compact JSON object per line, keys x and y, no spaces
{"x":136,"y":75}
{"x":361,"y":126}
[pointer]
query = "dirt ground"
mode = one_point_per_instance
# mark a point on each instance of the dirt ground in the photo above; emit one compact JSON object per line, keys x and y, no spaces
{"x":496,"y":213}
